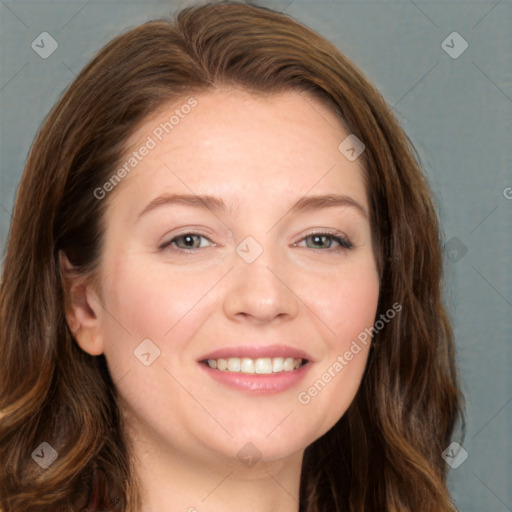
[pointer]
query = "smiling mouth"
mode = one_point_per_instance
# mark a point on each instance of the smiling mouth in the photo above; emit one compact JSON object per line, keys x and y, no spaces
{"x":258,"y":366}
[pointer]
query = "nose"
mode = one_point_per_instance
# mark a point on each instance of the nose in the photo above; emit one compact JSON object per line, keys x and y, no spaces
{"x":261,"y":291}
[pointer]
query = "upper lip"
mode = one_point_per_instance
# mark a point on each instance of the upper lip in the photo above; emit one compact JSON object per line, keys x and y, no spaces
{"x":257,"y":351}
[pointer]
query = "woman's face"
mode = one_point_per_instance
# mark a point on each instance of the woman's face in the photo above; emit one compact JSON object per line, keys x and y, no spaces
{"x":248,"y":279}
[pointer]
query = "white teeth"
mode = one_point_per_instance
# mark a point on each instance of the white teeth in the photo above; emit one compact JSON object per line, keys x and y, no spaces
{"x":261,"y":365}
{"x":247,"y":365}
{"x":277,"y":364}
{"x":234,"y":364}
{"x":289,"y":364}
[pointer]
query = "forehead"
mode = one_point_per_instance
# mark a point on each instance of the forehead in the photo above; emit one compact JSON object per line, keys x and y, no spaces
{"x":238,"y":144}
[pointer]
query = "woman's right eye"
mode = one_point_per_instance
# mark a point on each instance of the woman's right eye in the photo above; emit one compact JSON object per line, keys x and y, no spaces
{"x":189,"y":240}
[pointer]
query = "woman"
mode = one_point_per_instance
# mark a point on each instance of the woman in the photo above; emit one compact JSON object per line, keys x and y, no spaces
{"x":174,"y":330}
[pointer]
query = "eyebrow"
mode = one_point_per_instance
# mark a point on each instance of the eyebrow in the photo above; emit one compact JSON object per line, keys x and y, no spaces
{"x":214,"y":203}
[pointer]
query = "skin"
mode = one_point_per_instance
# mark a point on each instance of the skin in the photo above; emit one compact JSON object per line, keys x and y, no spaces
{"x":260,"y":155}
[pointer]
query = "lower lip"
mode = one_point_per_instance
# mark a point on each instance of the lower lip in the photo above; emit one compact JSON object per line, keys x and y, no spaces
{"x":258,"y":383}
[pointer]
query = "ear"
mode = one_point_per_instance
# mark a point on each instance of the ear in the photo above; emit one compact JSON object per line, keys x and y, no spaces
{"x":83,"y":308}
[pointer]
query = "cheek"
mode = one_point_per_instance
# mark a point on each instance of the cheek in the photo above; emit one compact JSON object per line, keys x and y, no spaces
{"x":354,"y":310}
{"x":141,"y":306}
{"x":345,"y":302}
{"x":150,"y":302}
{"x":348,"y":310}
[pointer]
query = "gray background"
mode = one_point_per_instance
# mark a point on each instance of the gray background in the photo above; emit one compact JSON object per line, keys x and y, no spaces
{"x":457,"y":111}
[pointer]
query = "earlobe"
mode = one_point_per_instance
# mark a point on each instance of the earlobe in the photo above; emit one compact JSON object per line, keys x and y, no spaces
{"x":82,"y":308}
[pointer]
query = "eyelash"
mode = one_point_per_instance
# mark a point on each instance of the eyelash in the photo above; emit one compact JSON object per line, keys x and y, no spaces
{"x":345,"y":244}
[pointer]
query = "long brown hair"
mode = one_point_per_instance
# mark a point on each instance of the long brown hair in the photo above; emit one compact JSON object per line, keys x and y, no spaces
{"x":384,"y":454}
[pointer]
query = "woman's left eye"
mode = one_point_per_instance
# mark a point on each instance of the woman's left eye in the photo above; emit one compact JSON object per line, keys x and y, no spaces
{"x":319,"y":238}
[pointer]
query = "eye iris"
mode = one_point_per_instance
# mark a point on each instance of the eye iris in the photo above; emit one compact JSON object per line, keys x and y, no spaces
{"x":188,"y":239}
{"x":317,"y":238}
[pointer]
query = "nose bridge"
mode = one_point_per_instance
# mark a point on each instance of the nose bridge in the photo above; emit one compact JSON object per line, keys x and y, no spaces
{"x":258,"y":287}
